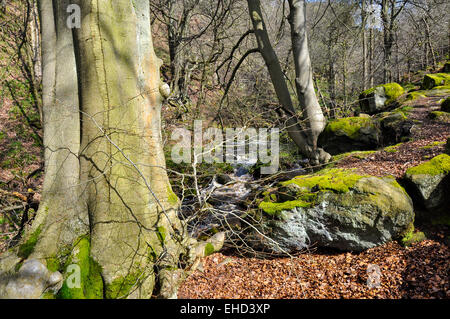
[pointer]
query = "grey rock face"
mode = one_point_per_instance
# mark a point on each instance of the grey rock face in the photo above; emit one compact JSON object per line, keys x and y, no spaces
{"x":380,"y":98}
{"x":30,"y":282}
{"x":395,"y":127}
{"x":375,"y":101}
{"x":373,"y":212}
{"x":429,"y":184}
{"x":350,"y":134}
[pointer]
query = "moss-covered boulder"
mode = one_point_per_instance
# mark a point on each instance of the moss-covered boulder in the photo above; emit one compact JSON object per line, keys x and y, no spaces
{"x":446,"y":67}
{"x":334,"y":208}
{"x":445,"y":106}
{"x":439,"y":116}
{"x":433,"y":80}
{"x":380,"y":98}
{"x":429,"y":186}
{"x":437,"y":91}
{"x":350,"y":134}
{"x":411,"y":96}
{"x":395,"y":127}
{"x":31,"y":280}
{"x":366,"y":133}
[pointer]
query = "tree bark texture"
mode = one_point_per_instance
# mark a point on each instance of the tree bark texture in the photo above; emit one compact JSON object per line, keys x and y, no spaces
{"x":107,"y":205}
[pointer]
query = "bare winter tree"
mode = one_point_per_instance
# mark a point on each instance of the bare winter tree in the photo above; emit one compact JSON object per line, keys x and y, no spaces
{"x":390,"y":9}
{"x":306,"y":140}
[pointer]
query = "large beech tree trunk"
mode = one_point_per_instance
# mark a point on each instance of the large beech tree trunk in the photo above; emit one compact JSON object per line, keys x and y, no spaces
{"x":107,"y":205}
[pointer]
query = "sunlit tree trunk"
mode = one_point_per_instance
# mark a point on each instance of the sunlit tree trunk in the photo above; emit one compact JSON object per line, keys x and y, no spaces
{"x":305,"y":140}
{"x":107,"y":205}
{"x":364,"y":43}
{"x":303,"y":72}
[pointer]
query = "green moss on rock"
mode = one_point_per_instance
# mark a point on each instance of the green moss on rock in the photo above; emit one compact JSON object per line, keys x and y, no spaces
{"x":431,"y":81}
{"x":48,"y":295}
{"x":350,"y":134}
{"x":437,"y":166}
{"x":412,"y":237}
{"x":440,"y":116}
{"x":274,"y":209}
{"x":393,"y":148}
{"x":415,"y":95}
{"x":337,"y":208}
{"x":409,"y":87}
{"x":393,"y":91}
{"x":209,"y":249}
{"x":433,"y":145}
{"x":356,"y":154}
{"x":334,"y":180}
{"x":349,"y":126}
{"x":53,"y":264}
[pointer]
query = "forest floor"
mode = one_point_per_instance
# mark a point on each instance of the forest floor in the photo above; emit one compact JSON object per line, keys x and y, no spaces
{"x":419,"y":271}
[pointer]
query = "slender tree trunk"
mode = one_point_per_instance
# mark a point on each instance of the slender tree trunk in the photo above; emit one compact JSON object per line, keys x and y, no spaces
{"x":387,"y":39}
{"x":301,"y":139}
{"x":331,"y":77}
{"x":364,"y":44}
{"x":176,"y":32}
{"x":371,"y":57}
{"x":303,"y":72}
{"x":344,"y":78}
{"x":428,"y":43}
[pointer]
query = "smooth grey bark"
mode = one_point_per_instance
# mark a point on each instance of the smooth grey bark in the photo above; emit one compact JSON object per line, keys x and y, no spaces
{"x":61,"y":117}
{"x":364,"y":43}
{"x":306,"y":141}
{"x":304,"y":78}
{"x":107,"y":205}
{"x":389,"y":13}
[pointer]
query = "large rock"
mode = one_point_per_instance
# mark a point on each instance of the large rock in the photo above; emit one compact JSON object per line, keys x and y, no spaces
{"x":433,"y":80}
{"x":365,"y":132}
{"x":395,"y":127}
{"x":380,"y":98}
{"x":446,"y":67}
{"x":30,"y":282}
{"x":438,"y":116}
{"x":445,"y":106}
{"x":429,"y":186}
{"x":350,"y":134}
{"x":334,"y":208}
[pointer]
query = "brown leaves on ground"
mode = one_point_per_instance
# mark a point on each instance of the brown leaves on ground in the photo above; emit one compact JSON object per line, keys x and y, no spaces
{"x":420,"y":271}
